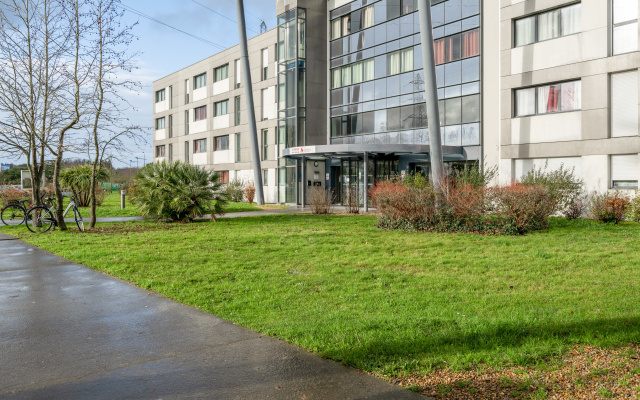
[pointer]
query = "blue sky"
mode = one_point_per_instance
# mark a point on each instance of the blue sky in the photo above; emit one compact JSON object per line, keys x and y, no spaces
{"x":165,"y":50}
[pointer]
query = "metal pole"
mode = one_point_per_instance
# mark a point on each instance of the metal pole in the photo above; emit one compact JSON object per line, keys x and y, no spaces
{"x":431,"y":89}
{"x":304,"y":181}
{"x":248,"y":90}
{"x":366,"y":182}
{"x":122,"y":202}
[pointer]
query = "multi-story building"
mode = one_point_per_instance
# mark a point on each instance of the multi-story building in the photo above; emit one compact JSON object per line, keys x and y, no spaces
{"x":340,"y":102}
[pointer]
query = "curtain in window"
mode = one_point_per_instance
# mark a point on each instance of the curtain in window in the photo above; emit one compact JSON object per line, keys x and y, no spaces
{"x":368,"y":70}
{"x":368,"y":17}
{"x":452,"y":48}
{"x":470,"y":43}
{"x":336,"y":25}
{"x":336,"y":78}
{"x":438,"y":48}
{"x":571,"y":19}
{"x":394,"y":63}
{"x":346,"y":75}
{"x":346,"y":25}
{"x":407,"y":60}
{"x":549,"y":25}
{"x":525,"y":102}
{"x":548,"y":99}
{"x":357,"y":72}
{"x":525,"y":31}
{"x":571,"y":96}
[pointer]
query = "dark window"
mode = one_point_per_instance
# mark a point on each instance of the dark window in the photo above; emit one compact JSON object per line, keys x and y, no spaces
{"x":393,"y":119}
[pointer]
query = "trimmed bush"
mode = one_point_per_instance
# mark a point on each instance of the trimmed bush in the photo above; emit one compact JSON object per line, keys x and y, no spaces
{"x":562,"y":184}
{"x":234,"y":191}
{"x":177,"y":191}
{"x":11,"y":196}
{"x":320,"y":200}
{"x":633,"y":210}
{"x":609,"y":207}
{"x":527,"y":208}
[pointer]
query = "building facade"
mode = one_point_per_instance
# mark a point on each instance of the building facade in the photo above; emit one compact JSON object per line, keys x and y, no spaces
{"x":340,"y":102}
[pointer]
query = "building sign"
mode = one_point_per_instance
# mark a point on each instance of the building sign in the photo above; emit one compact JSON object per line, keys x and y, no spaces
{"x":328,"y":177}
{"x":302,"y":150}
{"x":5,"y":167}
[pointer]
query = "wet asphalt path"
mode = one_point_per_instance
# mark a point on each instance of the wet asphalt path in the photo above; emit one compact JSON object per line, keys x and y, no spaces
{"x":69,"y":332}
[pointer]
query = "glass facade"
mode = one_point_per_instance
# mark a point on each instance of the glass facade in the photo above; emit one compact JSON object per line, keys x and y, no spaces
{"x":291,"y":98}
{"x":383,"y":101}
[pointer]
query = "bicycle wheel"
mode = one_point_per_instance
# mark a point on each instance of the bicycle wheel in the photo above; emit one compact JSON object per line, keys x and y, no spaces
{"x":39,"y":219}
{"x":79,"y":220}
{"x":12,"y":214}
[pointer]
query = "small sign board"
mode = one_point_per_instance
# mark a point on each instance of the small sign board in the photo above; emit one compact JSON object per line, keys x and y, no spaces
{"x":302,"y":150}
{"x":5,"y":167}
{"x":327,"y":178}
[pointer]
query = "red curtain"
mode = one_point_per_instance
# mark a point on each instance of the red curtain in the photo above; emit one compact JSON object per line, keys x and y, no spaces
{"x":470,"y":44}
{"x":438,"y":47}
{"x":552,"y":101}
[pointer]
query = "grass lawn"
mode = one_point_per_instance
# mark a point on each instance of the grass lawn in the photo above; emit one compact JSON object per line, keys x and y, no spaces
{"x":392,"y":303}
{"x":111,"y":207}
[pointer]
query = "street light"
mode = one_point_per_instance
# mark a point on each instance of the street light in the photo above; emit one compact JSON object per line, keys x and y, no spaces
{"x":137,"y":166}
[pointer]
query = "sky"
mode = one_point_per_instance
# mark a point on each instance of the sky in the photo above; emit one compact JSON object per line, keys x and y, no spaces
{"x":165,"y":50}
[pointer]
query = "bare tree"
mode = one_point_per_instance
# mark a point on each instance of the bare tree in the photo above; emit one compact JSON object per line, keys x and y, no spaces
{"x":109,"y":129}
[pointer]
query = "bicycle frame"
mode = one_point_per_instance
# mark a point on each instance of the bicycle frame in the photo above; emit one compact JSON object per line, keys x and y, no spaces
{"x":72,"y":204}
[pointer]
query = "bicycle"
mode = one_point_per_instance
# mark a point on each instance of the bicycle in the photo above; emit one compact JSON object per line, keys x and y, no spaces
{"x":41,"y":219}
{"x":13,"y":214}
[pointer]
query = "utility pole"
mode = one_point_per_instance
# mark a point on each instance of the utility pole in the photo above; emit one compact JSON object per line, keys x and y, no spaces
{"x":431,"y":89}
{"x":251,"y":113}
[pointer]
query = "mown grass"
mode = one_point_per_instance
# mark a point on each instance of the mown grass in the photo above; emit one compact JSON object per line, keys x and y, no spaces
{"x":386,"y":301}
{"x":111,"y":208}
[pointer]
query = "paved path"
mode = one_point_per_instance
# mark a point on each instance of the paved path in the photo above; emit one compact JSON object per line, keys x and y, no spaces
{"x":69,"y":332}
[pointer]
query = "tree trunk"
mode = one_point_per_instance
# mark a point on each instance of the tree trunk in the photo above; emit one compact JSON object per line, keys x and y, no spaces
{"x":59,"y":198}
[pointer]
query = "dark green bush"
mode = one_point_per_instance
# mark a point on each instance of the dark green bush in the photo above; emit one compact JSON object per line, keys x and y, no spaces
{"x":177,"y":191}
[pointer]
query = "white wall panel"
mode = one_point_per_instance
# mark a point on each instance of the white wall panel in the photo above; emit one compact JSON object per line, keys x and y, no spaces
{"x":198,"y":127}
{"x":221,"y":87}
{"x":557,"y":127}
{"x":200,"y":94}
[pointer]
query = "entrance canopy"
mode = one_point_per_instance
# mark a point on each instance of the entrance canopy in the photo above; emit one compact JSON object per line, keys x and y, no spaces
{"x":451,"y":153}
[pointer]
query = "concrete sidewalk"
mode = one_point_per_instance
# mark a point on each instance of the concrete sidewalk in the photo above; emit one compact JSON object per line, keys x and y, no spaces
{"x":69,"y":332}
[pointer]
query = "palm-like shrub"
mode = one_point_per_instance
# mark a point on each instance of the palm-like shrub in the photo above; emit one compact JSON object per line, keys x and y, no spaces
{"x":177,"y":191}
{"x":78,"y":180}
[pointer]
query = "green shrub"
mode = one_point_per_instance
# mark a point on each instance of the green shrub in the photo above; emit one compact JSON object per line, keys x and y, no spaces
{"x":473,"y":175}
{"x":234,"y":191}
{"x":633,"y":210}
{"x":177,"y":191}
{"x":609,"y":207}
{"x":577,"y":208}
{"x":562,"y":184}
{"x":78,"y":180}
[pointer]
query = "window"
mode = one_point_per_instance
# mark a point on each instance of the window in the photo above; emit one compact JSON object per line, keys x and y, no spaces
{"x":238,"y":148}
{"x":400,"y":61}
{"x":624,"y":171}
{"x":265,"y":144}
{"x":170,"y":153}
{"x":265,"y":177}
{"x":186,"y":122}
{"x":200,"y":113}
{"x":222,"y":108}
{"x":160,"y":151}
{"x":199,"y":146}
{"x":265,"y":107}
{"x":160,"y":124}
{"x":200,"y":81}
{"x":160,"y":96}
{"x":548,"y":25}
{"x":186,"y":91}
{"x":354,"y":22}
{"x":221,"y":73}
{"x":624,"y":104}
{"x":546,"y":99}
{"x":170,"y":97}
{"x":238,"y":73}
{"x":223,"y":176}
{"x":265,"y":64}
{"x":625,"y":26}
{"x":222,"y":143}
{"x":359,"y":72}
{"x":237,"y":110}
{"x":186,"y":152}
{"x":170,"y":126}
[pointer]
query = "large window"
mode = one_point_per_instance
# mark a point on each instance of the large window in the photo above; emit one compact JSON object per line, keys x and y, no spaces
{"x":160,"y":95}
{"x":222,"y":143}
{"x":265,"y":177}
{"x":160,"y":151}
{"x":361,"y":71}
{"x":354,"y":22}
{"x":199,"y":146}
{"x":160,"y":123}
{"x":546,"y":99}
{"x":548,"y":25}
{"x":624,"y":104}
{"x":200,"y":81}
{"x":223,"y":176}
{"x":400,"y":61}
{"x":200,"y":113}
{"x":624,"y":171}
{"x":221,"y":73}
{"x":456,"y":47}
{"x":625,"y":26}
{"x":222,"y":108}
